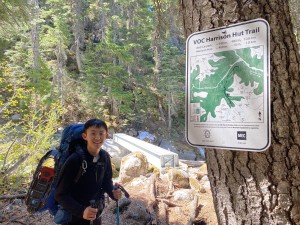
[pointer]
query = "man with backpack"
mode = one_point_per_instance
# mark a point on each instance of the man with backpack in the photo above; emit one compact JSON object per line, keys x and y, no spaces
{"x":81,"y":196}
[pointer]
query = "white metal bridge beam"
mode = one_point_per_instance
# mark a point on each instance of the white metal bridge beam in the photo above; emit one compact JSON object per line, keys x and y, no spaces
{"x":157,"y":156}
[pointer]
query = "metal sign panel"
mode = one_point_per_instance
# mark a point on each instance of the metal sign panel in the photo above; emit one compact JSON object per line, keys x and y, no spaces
{"x":228,"y":87}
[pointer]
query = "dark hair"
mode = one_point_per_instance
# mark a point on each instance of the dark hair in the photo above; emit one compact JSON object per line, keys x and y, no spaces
{"x":94,"y":122}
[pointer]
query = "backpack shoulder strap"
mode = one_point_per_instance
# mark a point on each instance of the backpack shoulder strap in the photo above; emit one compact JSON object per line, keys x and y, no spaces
{"x":82,"y":169}
{"x":102,"y":162}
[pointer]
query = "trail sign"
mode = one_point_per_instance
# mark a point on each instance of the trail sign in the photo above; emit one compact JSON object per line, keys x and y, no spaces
{"x":228,"y":87}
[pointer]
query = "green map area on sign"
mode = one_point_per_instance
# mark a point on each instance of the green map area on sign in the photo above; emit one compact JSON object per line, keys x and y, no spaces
{"x":215,"y":79}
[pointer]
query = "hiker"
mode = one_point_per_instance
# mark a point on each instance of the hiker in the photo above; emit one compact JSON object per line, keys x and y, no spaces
{"x":75,"y":197}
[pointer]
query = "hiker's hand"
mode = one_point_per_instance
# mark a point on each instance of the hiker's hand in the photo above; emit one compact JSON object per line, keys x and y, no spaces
{"x":117,"y":193}
{"x":90,"y":213}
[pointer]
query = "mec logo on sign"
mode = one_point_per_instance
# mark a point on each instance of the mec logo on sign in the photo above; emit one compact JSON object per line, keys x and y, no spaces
{"x":241,"y":135}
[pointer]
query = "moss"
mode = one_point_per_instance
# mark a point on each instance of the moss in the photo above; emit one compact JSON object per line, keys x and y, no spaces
{"x":115,"y":171}
{"x":140,"y":156}
{"x":153,"y":169}
{"x":203,"y":167}
{"x":179,"y":178}
{"x":194,"y":183}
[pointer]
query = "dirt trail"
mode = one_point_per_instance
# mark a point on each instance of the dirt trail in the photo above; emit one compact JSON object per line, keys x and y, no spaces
{"x":166,"y":210}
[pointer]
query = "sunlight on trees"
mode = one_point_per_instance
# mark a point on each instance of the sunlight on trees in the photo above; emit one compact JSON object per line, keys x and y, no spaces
{"x":91,"y":59}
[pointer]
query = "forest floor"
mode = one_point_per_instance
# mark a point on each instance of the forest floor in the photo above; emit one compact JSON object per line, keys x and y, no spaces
{"x":13,"y":211}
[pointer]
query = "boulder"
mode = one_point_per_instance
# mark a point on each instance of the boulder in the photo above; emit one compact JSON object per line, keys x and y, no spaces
{"x":195,"y":184}
{"x":187,"y":154}
{"x":179,"y":178}
{"x":184,"y":195}
{"x":133,"y":165}
{"x":116,"y":152}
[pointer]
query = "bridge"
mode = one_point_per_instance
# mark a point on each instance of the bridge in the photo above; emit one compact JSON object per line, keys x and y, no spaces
{"x":157,"y":156}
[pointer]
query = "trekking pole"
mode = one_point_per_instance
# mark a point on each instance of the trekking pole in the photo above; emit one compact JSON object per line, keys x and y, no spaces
{"x":118,"y":213}
{"x":117,"y":207}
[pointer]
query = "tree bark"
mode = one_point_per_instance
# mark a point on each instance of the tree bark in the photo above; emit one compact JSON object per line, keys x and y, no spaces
{"x":78,"y":30}
{"x":35,"y":35}
{"x":258,"y":187}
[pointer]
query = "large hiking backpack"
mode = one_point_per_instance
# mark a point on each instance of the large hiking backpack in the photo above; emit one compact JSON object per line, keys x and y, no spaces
{"x":40,"y":196}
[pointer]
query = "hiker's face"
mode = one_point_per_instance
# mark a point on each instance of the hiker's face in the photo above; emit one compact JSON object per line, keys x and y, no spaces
{"x":95,"y":137}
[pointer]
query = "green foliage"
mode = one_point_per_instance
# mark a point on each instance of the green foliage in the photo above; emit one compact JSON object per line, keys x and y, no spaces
{"x":171,"y":85}
{"x":122,"y":57}
{"x":4,"y":44}
{"x":13,"y":15}
{"x":117,"y":82}
{"x":40,"y":79}
{"x":18,"y":56}
{"x":13,"y":92}
{"x":23,"y":143}
{"x":55,"y":29}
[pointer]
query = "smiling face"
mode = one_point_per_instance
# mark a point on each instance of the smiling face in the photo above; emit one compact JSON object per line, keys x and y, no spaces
{"x":95,"y":137}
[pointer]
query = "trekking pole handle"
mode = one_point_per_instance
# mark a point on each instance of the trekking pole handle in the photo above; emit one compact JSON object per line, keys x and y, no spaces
{"x":93,"y":205}
{"x":124,"y":191}
{"x":115,"y":187}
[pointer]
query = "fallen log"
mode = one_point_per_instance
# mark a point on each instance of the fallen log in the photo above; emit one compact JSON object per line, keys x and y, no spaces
{"x":168,"y":202}
{"x":12,"y":196}
{"x":153,"y":203}
{"x":194,"y":210}
{"x":163,"y":213}
{"x":152,"y":187}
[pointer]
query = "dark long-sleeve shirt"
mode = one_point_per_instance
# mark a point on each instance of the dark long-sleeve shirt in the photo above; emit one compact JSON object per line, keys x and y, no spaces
{"x":75,"y":196}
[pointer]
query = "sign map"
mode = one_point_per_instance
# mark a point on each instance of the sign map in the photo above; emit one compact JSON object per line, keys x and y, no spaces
{"x":228,"y":87}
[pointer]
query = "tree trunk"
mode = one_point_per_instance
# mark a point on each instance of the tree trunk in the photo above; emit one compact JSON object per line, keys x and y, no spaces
{"x":78,"y":30}
{"x":35,"y":35}
{"x":258,"y":187}
{"x":157,"y":49}
{"x":58,"y":78}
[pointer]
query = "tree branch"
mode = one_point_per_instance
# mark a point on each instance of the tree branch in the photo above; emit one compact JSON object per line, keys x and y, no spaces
{"x":12,"y":196}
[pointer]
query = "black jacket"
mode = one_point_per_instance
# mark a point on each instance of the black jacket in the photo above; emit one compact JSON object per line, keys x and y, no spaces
{"x":75,"y":196}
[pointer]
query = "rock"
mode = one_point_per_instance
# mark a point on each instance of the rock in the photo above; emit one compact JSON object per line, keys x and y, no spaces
{"x":186,"y":164}
{"x":203,"y":168}
{"x":16,"y":117}
{"x":187,"y":154}
{"x":139,"y":181}
{"x":139,"y":214}
{"x":195,"y":184}
{"x":179,"y":177}
{"x":145,"y":136}
{"x":206,"y":186}
{"x":205,"y":178}
{"x":184,"y":195}
{"x":132,"y":133}
{"x":196,"y":173}
{"x":133,"y":165}
{"x":116,"y":152}
{"x":123,"y":204}
{"x":201,"y":152}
